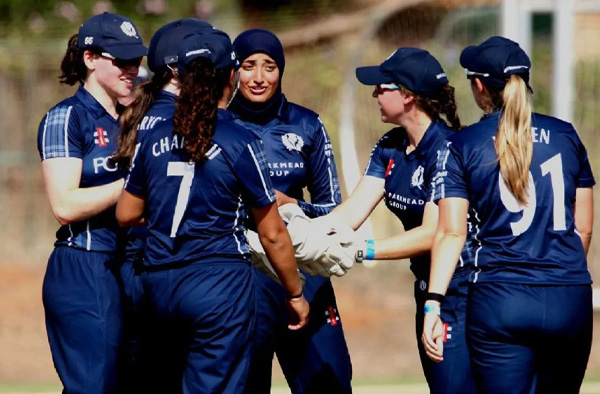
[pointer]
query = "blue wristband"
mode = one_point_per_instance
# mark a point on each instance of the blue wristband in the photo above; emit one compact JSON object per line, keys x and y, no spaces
{"x":432,"y":309}
{"x":370,"y":252}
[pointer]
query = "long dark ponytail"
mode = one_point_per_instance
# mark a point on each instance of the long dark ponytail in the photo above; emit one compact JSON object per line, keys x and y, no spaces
{"x":196,"y":112}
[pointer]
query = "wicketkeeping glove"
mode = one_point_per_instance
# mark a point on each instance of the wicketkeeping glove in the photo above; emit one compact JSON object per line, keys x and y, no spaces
{"x":323,"y":247}
{"x":260,"y":260}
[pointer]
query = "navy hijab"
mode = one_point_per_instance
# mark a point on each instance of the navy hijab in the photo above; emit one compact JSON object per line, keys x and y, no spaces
{"x":246,"y":44}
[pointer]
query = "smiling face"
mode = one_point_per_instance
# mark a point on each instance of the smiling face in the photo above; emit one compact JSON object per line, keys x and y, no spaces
{"x":259,"y":78}
{"x":115,"y":81}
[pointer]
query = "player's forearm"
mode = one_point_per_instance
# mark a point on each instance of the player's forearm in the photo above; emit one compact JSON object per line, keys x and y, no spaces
{"x":584,"y":215}
{"x":353,"y":212}
{"x":365,"y":197}
{"x":83,"y":203}
{"x":445,"y":253}
{"x":280,"y":252}
{"x":409,"y":244}
{"x":586,"y":240}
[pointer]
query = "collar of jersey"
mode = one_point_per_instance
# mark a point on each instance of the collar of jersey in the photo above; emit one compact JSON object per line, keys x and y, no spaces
{"x":224,"y":114}
{"x":427,"y":140}
{"x":164,"y":95}
{"x":495,"y":113}
{"x":282,"y":112}
{"x":95,"y":108}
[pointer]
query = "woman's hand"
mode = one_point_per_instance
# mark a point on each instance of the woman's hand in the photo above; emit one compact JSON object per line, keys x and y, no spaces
{"x":275,"y":239}
{"x":283,"y":198}
{"x":433,"y":336}
{"x":300,"y":309}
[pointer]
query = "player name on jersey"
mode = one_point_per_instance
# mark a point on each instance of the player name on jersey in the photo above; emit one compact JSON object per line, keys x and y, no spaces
{"x":149,"y":122}
{"x":540,"y":135}
{"x":167,"y":144}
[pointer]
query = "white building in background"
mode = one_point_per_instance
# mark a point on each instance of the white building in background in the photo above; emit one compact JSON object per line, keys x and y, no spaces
{"x":569,"y":44}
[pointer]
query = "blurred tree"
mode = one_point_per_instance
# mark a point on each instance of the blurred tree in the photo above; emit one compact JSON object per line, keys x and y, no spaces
{"x":271,"y":5}
{"x":25,"y":23}
{"x":285,"y":14}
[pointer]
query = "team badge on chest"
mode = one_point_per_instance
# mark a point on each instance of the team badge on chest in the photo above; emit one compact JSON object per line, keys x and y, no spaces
{"x":292,"y":142}
{"x":417,"y":177}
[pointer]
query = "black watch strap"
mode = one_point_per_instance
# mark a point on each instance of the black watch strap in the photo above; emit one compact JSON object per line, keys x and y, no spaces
{"x":434,"y":297}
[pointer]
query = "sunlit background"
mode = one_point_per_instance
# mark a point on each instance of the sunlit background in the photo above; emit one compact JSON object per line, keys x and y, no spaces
{"x":325,"y":41}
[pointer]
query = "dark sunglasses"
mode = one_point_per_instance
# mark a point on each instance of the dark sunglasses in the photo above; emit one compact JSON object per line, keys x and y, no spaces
{"x":383,"y":87}
{"x":123,"y":63}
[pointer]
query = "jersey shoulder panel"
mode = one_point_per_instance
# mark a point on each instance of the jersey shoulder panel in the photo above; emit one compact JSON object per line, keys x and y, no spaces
{"x":61,"y":127}
{"x":441,"y":134}
{"x":298,"y":113}
{"x":308,"y":120}
{"x":547,"y":120}
{"x":475,"y":133}
{"x":232,"y":137}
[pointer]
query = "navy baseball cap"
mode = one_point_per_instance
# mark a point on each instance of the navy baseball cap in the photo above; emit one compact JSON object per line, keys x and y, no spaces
{"x":494,"y":60}
{"x":213,"y":44}
{"x":112,"y":33}
{"x":414,"y":68}
{"x":165,"y":42}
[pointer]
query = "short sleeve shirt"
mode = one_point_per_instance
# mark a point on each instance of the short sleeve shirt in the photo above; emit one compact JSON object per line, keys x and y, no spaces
{"x":535,"y":243}
{"x":79,"y":127}
{"x":196,"y":210}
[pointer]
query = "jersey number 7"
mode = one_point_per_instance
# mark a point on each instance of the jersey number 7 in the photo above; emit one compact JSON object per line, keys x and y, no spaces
{"x":187,"y":171}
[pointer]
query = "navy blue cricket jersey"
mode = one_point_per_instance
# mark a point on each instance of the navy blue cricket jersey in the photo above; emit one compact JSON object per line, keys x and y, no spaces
{"x":80,"y":127}
{"x":161,"y":110}
{"x":196,"y":211}
{"x":408,"y":180}
{"x":299,"y":155}
{"x":533,"y":244}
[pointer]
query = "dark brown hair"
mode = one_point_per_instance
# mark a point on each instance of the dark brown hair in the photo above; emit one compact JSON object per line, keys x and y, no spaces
{"x":145,"y":94}
{"x":442,"y":103}
{"x":196,"y":112}
{"x":72,"y":67}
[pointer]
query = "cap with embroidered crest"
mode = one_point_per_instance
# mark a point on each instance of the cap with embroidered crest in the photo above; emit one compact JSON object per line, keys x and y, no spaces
{"x":213,"y":44}
{"x":414,"y":68}
{"x":165,"y":42}
{"x":112,"y":33}
{"x":495,"y":60}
